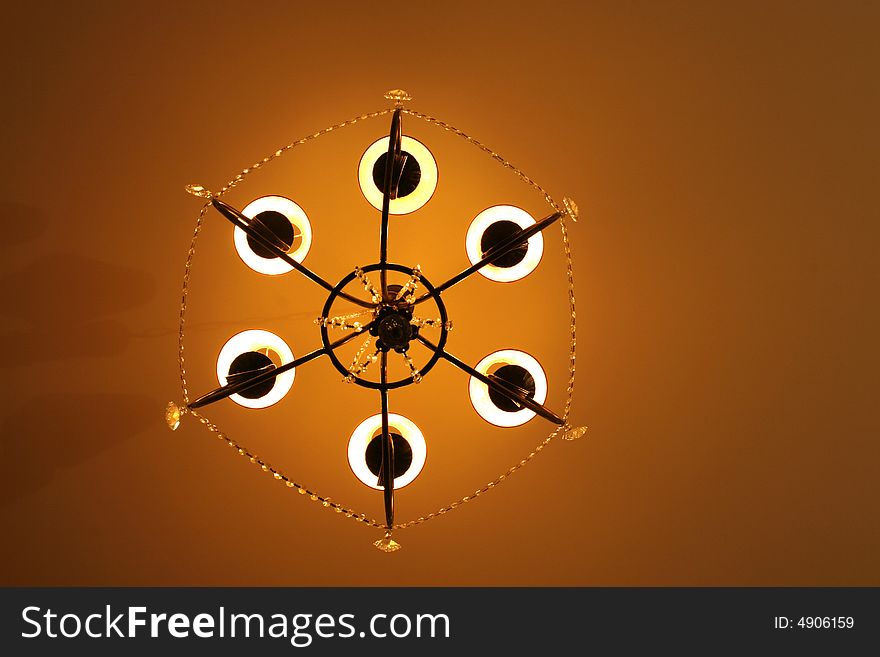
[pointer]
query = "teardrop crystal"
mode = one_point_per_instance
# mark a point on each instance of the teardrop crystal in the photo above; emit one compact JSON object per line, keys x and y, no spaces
{"x":574,"y":433}
{"x":571,"y":208}
{"x":387,"y":544}
{"x":173,"y":415}
{"x":199,"y":190}
{"x":397,"y":95}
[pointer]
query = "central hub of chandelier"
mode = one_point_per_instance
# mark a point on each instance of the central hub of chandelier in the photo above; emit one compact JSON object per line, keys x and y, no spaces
{"x":396,"y":312}
{"x":394,"y":331}
{"x":390,"y":321}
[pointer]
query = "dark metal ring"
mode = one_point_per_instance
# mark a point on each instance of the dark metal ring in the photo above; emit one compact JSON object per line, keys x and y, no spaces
{"x":325,"y":338}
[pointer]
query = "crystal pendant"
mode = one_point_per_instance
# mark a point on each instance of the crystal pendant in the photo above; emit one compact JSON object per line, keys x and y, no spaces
{"x":199,"y":190}
{"x":397,"y":95}
{"x":574,"y":433}
{"x":173,"y":415}
{"x":571,"y":208}
{"x":387,"y":544}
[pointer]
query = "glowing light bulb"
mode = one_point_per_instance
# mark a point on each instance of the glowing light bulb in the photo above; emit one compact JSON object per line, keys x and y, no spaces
{"x":362,"y":437}
{"x":256,"y":340}
{"x":479,"y":391}
{"x":494,"y":215}
{"x":299,"y":221}
{"x":412,"y":201}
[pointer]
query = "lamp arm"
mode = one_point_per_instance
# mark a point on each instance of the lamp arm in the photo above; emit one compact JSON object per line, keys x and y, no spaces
{"x":495,"y":252}
{"x":239,"y":386}
{"x":502,"y":389}
{"x":391,"y":158}
{"x":258,"y":231}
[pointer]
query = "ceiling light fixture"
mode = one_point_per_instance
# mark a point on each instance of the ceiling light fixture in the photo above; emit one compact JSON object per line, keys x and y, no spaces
{"x":381,"y":304}
{"x":288,"y":223}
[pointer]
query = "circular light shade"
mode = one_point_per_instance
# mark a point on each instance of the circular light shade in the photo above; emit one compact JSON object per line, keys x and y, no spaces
{"x":494,"y":215}
{"x":256,"y":341}
{"x":299,"y":222}
{"x":424,"y":189}
{"x":479,"y":391}
{"x":363,"y":435}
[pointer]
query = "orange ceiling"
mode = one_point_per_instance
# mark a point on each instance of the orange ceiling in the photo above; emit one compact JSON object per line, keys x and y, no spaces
{"x":722,"y":159}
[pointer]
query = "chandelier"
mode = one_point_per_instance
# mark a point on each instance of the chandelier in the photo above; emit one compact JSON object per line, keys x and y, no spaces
{"x":390,"y":308}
